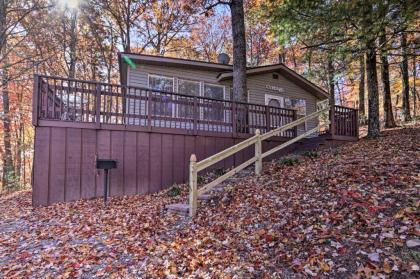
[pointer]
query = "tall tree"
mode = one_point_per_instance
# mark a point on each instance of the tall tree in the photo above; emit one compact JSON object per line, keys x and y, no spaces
{"x":239,"y":43}
{"x":15,"y":28}
{"x":362,"y":110}
{"x":239,"y":50}
{"x":405,"y":79}
{"x":164,"y":22}
{"x":389,"y":116}
{"x":414,"y":87}
{"x":123,"y":17}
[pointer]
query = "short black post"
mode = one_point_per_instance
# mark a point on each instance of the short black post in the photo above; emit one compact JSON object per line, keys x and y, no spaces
{"x":106,"y":165}
{"x":105,"y":185}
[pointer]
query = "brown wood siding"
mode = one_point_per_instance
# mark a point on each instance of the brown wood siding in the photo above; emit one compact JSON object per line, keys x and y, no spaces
{"x":64,"y":162}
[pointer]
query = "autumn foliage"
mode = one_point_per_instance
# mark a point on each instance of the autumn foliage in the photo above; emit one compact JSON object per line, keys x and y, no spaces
{"x":350,"y":211}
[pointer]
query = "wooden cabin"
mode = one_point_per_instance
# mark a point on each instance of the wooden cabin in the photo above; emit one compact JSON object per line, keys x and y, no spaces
{"x":164,"y":110}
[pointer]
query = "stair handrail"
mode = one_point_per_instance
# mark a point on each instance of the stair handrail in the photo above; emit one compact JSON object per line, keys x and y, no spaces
{"x":256,"y":140}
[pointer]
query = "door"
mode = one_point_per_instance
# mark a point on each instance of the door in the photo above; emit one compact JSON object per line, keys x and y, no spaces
{"x":276,"y":119}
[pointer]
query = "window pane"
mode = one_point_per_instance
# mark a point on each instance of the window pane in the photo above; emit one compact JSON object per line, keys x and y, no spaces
{"x":187,"y":87}
{"x":161,"y":83}
{"x":213,"y":91}
{"x":185,"y":104}
{"x":213,"y":110}
{"x":162,"y":103}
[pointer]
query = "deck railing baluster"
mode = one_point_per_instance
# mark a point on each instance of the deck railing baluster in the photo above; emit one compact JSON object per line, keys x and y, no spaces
{"x":65,"y":99}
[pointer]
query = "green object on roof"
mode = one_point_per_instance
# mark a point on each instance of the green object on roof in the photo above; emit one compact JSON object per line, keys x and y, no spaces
{"x":129,"y":62}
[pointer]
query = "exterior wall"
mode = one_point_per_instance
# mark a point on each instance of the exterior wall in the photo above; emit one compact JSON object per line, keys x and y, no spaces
{"x":257,"y":86}
{"x":65,"y":169}
{"x":139,"y":76}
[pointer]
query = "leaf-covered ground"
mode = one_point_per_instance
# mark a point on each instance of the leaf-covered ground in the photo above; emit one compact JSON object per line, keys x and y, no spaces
{"x":351,"y":212}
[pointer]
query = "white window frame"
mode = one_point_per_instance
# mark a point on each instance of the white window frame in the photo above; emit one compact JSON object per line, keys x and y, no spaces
{"x":173,"y":87}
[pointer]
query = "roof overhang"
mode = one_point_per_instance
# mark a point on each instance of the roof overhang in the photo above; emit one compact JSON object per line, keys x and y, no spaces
{"x":287,"y":73}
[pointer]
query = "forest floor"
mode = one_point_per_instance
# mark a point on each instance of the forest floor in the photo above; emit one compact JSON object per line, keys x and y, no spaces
{"x":349,"y":212}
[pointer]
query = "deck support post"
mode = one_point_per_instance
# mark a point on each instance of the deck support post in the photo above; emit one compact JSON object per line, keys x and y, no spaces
{"x":193,"y":185}
{"x":258,"y":153}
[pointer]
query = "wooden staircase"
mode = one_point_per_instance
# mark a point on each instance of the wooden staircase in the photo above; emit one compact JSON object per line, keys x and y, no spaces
{"x":218,"y":192}
{"x":300,"y":143}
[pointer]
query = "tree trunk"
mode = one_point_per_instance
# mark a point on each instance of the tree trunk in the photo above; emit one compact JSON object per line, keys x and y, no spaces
{"x":405,"y":82}
{"x":389,"y":116}
{"x":362,"y":109}
{"x":73,"y":44}
{"x":8,"y":166}
{"x":414,"y":87}
{"x":373,"y":98}
{"x":330,"y":69}
{"x":239,"y":50}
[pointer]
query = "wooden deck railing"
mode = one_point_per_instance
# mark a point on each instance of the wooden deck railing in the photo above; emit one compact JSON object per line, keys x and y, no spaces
{"x":195,"y":167}
{"x":93,"y":104}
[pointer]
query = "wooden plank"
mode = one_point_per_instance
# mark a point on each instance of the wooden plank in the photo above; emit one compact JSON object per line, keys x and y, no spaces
{"x":103,"y":152}
{"x":73,"y":163}
{"x":41,"y":166}
{"x":143,"y":163}
{"x":130,"y":163}
{"x":167,"y":161}
{"x":190,"y":142}
{"x":88,"y":164}
{"x":193,"y":186}
{"x":57,"y":165}
{"x":229,"y":161}
{"x":116,"y":185}
{"x":210,"y":149}
{"x":219,"y":145}
{"x":258,"y":153}
{"x":316,"y":129}
{"x":155,"y":162}
{"x":225,"y":153}
{"x":179,"y":166}
{"x":238,"y":156}
{"x":200,"y":148}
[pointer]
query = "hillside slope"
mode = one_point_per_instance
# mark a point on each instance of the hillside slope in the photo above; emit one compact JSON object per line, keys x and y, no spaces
{"x":351,"y":211}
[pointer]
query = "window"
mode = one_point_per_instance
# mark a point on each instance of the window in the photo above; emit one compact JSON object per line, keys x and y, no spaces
{"x":300,"y":106}
{"x":162,"y":103}
{"x":185,"y":105}
{"x":213,"y":110}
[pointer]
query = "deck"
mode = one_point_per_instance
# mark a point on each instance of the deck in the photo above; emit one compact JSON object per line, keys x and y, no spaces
{"x":150,"y":133}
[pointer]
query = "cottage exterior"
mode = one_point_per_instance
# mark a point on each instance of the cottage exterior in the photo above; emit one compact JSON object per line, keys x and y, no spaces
{"x":163,"y":111}
{"x":273,"y":85}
